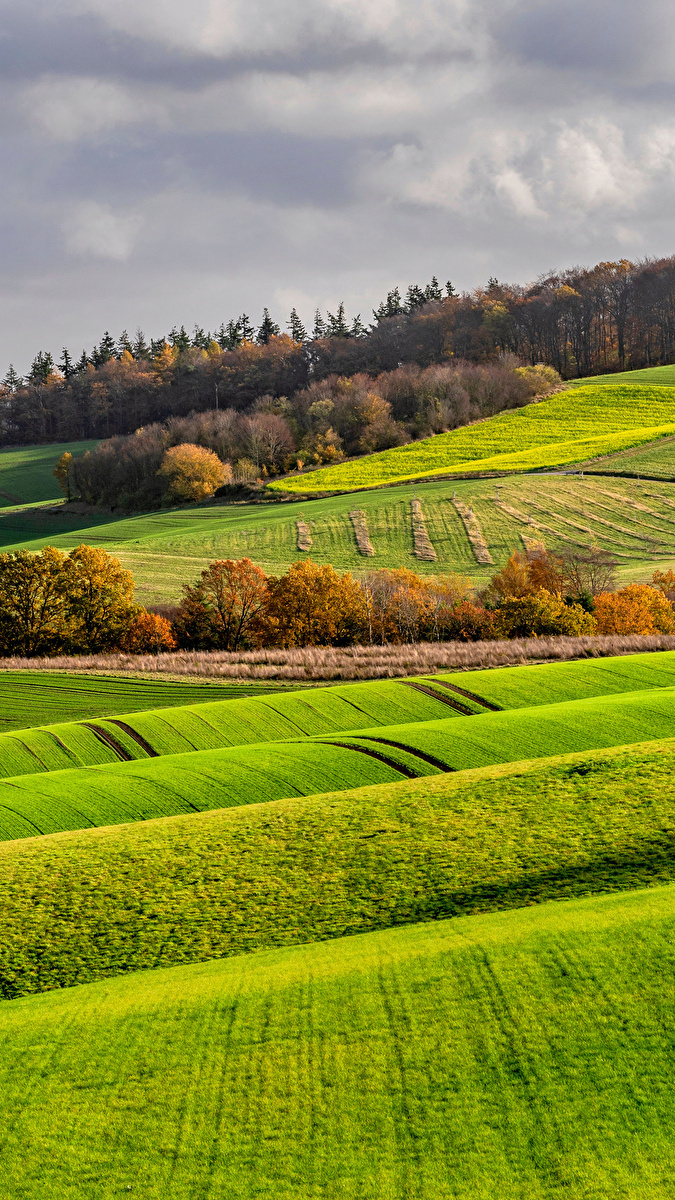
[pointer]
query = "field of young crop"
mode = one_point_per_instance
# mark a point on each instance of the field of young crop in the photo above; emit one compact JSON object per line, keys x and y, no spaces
{"x":558,"y":431}
{"x":635,"y":520}
{"x":658,"y":376}
{"x":520,"y":1054}
{"x":306,"y":869}
{"x":324,"y":710}
{"x":26,"y":473}
{"x":195,"y":781}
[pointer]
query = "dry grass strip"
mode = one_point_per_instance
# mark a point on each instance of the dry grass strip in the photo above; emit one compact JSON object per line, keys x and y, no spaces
{"x":586,"y":529}
{"x":315,"y":664}
{"x":474,"y":532}
{"x":304,"y":535}
{"x":422,"y":544}
{"x":526,"y":520}
{"x":636,"y":504}
{"x":358,"y":520}
{"x":592,"y":516}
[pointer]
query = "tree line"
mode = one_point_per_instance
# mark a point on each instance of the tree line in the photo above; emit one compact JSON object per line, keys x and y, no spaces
{"x":581,"y":321}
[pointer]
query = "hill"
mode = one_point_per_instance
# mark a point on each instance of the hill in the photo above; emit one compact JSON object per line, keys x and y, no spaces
{"x":659,"y":376}
{"x":561,"y":430}
{"x":26,"y":473}
{"x":634,"y":521}
{"x":523,"y":1053}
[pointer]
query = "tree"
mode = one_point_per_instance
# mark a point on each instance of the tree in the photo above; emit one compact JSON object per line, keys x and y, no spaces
{"x":41,"y":368}
{"x":268,"y":329}
{"x":296,"y":327}
{"x":12,"y":381}
{"x":469,"y":623}
{"x":224,"y":609}
{"x":319,"y":330}
{"x":313,"y":606}
{"x":148,"y":633}
{"x":100,"y":599}
{"x":63,"y":473}
{"x":636,"y":609}
{"x":337,"y":326}
{"x":540,"y":614}
{"x":66,"y":365}
{"x":192,"y":472}
{"x":34,"y":600}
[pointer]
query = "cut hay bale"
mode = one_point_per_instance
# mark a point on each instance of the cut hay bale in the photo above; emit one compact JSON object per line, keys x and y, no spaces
{"x":358,"y":520}
{"x":304,"y":535}
{"x":422,"y":544}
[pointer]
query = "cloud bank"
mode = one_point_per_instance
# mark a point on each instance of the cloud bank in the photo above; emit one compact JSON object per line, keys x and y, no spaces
{"x":167,"y":163}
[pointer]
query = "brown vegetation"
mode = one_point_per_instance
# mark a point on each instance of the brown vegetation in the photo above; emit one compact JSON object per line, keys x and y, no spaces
{"x":422,"y":544}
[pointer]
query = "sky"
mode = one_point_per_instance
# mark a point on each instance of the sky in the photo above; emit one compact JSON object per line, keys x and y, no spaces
{"x":166,"y":162}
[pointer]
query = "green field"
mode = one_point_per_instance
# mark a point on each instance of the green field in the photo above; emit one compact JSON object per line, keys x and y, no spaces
{"x":216,"y":724}
{"x":555,"y":432}
{"x":659,"y":376}
{"x":26,"y":473}
{"x":522,"y":1054}
{"x":85,"y":905}
{"x":195,"y":781}
{"x":635,"y":521}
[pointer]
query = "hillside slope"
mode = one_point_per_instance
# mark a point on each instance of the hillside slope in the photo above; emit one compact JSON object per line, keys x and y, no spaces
{"x":524,"y":1054}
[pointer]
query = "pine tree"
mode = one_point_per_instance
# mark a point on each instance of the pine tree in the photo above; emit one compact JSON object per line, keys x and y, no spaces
{"x":104,"y":351}
{"x":337,"y":325}
{"x":268,"y":329}
{"x":139,"y":346}
{"x":415,"y":298}
{"x":391,"y":307}
{"x":358,"y":329}
{"x":124,"y":344}
{"x":156,"y":346}
{"x":66,"y":365}
{"x":41,"y":368}
{"x":82,"y":362}
{"x":246,"y":330}
{"x":12,"y":381}
{"x":450,"y":290}
{"x":179,"y":338}
{"x":319,"y":330}
{"x":200,"y":339}
{"x":432,"y":291}
{"x":296,"y":327}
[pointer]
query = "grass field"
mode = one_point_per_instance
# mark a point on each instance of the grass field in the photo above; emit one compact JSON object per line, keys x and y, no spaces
{"x":635,"y":521}
{"x":86,"y":905}
{"x":209,"y":725}
{"x":527,"y":1053}
{"x":658,"y":376}
{"x":555,"y":432}
{"x":195,"y":781}
{"x":26,"y":473}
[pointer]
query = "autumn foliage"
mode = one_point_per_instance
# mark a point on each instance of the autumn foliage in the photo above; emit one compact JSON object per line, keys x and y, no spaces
{"x":192,"y":473}
{"x":638,"y":608}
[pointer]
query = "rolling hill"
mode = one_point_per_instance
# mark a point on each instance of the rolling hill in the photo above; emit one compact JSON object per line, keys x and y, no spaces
{"x":26,"y":472}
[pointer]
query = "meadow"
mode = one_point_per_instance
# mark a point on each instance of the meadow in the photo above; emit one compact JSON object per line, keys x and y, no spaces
{"x":633,"y":520}
{"x":26,"y":472}
{"x":524,"y":1053}
{"x":555,"y":432}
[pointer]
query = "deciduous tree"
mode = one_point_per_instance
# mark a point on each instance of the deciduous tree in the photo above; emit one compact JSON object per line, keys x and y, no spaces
{"x":192,"y":472}
{"x":225,"y":609}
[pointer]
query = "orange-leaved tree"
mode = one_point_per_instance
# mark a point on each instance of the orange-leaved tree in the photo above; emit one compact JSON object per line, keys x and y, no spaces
{"x":638,"y":608}
{"x":193,"y":472}
{"x":313,"y":606}
{"x":148,"y":633}
{"x":224,"y":609}
{"x":100,"y":599}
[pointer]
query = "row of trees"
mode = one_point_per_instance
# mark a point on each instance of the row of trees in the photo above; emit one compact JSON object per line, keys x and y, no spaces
{"x":82,"y":602}
{"x":580,"y":321}
{"x":322,"y":423}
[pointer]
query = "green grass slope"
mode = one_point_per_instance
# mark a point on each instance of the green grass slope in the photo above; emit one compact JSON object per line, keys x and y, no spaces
{"x":633,"y":521}
{"x":519,"y":1054}
{"x":200,"y":780}
{"x":97,"y":903}
{"x":660,"y":376}
{"x":325,"y":710}
{"x":561,"y":430}
{"x":26,"y":473}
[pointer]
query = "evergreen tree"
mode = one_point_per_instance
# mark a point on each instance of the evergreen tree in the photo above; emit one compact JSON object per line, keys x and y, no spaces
{"x":268,"y":329}
{"x":200,"y":339}
{"x":432,"y":291}
{"x":358,"y":329}
{"x":156,"y":346}
{"x":139,"y":346}
{"x":179,"y":338}
{"x":104,"y":351}
{"x":66,"y":365}
{"x":415,"y":298}
{"x":82,"y":362}
{"x":337,"y":326}
{"x":12,"y":381}
{"x":319,"y":330}
{"x":124,"y":344}
{"x":246,"y":330}
{"x":492,"y":283}
{"x":41,"y":368}
{"x":229,"y":336}
{"x":296,"y":327}
{"x":450,"y":290}
{"x":391,"y":307}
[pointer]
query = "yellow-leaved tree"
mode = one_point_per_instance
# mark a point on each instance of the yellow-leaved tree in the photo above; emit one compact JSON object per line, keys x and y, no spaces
{"x":193,"y":472}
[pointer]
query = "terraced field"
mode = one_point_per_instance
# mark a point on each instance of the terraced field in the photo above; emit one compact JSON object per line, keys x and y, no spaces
{"x":555,"y":432}
{"x":327,"y":710}
{"x":522,"y":1053}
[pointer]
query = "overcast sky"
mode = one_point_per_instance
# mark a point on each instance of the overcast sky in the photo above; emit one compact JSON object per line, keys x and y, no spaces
{"x":166,"y":161}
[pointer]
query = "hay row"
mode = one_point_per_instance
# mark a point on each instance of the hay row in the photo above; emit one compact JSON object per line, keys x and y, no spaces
{"x":474,"y":532}
{"x":358,"y":520}
{"x":526,"y":520}
{"x":592,"y":533}
{"x":592,"y":516}
{"x":422,"y":544}
{"x":304,"y":535}
{"x":636,"y":504}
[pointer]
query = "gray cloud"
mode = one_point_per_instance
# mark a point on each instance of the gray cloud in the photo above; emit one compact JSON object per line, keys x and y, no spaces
{"x":166,"y":163}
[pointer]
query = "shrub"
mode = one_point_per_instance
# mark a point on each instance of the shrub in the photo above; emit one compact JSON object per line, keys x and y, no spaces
{"x":193,"y":472}
{"x":637,"y":609}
